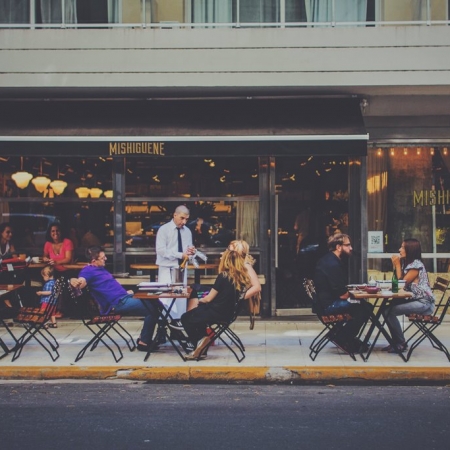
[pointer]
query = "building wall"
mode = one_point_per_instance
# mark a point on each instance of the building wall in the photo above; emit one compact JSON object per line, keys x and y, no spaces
{"x":352,"y":60}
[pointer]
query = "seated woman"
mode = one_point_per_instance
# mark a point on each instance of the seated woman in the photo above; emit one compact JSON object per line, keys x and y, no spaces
{"x":219,"y":304}
{"x":7,"y":249}
{"x":409,"y":267}
{"x":58,"y":249}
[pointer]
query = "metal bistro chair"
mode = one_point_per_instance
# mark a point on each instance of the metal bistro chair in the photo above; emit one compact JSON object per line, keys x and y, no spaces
{"x":221,"y":331}
{"x":332,"y":324}
{"x":100,"y":326}
{"x":34,"y":321}
{"x":427,"y":324}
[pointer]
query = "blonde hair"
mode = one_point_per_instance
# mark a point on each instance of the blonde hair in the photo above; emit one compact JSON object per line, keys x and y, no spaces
{"x":232,"y":265}
{"x":243,"y":249}
{"x":47,"y":270}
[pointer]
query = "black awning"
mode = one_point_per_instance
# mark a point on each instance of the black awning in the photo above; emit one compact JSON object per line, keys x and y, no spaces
{"x":226,"y":127}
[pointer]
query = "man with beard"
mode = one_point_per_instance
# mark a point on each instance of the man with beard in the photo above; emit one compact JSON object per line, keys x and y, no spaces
{"x":330,"y":280}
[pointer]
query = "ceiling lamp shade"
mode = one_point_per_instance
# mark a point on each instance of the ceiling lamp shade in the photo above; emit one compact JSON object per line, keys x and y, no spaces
{"x":41,"y":183}
{"x":58,"y":186}
{"x":96,"y":192}
{"x":83,"y":192}
{"x":22,"y":179}
{"x":108,"y":194}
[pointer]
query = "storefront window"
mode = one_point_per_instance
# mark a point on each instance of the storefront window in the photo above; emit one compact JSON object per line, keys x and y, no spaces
{"x":87,"y":218}
{"x":192,"y":177}
{"x":409,"y":197}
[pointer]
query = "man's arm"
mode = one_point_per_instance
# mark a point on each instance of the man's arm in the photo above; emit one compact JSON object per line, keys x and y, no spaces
{"x":79,"y":283}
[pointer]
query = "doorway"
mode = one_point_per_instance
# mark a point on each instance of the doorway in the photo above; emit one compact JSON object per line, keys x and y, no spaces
{"x":312,"y":197}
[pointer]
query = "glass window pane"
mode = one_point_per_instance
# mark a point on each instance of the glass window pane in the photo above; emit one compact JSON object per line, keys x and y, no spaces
{"x":167,"y":11}
{"x":191,"y":177}
{"x":212,"y":11}
{"x":403,"y":10}
{"x":50,"y":11}
{"x":295,"y":11}
{"x":439,"y":9}
{"x":213,"y":223}
{"x":259,"y":11}
{"x":14,"y":11}
{"x":84,"y":223}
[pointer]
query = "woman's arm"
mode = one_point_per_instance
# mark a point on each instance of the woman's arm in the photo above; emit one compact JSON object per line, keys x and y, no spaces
{"x":256,"y":285}
{"x":208,"y":298}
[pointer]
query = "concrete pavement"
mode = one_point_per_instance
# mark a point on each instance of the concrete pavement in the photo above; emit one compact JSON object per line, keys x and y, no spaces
{"x":277,"y":351}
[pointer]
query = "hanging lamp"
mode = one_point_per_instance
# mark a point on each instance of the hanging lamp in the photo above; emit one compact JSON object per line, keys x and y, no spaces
{"x":21,"y":178}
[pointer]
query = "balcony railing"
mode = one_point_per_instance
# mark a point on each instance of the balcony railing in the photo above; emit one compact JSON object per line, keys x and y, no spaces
{"x":39,"y":14}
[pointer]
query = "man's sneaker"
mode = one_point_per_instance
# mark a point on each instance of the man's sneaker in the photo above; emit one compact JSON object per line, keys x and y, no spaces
{"x":176,"y":324}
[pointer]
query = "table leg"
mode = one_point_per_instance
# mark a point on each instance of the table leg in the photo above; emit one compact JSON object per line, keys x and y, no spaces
{"x":376,"y":323}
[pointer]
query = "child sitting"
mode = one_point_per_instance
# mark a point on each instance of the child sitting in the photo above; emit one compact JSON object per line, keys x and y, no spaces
{"x":49,"y":282}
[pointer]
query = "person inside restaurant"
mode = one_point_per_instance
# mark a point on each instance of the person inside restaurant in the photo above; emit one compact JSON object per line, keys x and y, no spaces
{"x":58,"y":249}
{"x":7,"y":249}
{"x":330,"y":281}
{"x":112,"y":298}
{"x":408,"y":266}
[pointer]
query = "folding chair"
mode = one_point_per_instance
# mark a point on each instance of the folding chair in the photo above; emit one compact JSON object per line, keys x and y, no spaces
{"x":427,"y":324}
{"x":34,"y":321}
{"x":221,"y":331}
{"x":100,"y":326}
{"x":332,"y":324}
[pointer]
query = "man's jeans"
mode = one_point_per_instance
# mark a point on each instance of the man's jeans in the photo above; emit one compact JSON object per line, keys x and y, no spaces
{"x":360,"y":315}
{"x":130,"y":306}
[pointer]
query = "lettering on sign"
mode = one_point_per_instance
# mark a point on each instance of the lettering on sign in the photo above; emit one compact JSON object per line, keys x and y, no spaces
{"x":136,"y":148}
{"x":431,"y":198}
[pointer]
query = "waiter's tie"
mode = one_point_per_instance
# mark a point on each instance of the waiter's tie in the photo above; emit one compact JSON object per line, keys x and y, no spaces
{"x":180,"y":245}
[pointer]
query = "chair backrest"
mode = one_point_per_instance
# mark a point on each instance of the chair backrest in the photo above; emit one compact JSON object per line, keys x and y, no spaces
{"x":86,"y":306}
{"x":310,"y":290}
{"x":440,"y":291}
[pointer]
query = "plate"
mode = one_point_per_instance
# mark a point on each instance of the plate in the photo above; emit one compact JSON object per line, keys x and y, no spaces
{"x":356,"y":286}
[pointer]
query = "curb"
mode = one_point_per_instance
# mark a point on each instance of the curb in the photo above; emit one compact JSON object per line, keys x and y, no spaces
{"x":230,"y":375}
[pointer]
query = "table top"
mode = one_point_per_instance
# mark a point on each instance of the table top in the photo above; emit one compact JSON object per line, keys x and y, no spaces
{"x":381,"y":294}
{"x":155,"y":266}
{"x":6,"y":288}
{"x":143,"y":295}
{"x":74,"y":266}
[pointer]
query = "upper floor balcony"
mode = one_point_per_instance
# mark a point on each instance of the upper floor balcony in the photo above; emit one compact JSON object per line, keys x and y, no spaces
{"x":37,"y":14}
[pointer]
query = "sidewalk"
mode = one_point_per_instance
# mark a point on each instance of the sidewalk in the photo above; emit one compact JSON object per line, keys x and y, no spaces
{"x":277,"y":351}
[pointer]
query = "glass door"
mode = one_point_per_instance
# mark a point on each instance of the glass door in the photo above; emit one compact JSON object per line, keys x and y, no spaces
{"x":312,"y":204}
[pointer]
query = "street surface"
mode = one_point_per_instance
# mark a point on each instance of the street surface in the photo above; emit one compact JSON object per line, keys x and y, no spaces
{"x":133,"y":415}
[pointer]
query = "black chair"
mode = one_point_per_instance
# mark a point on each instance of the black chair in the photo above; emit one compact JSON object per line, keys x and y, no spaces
{"x":332,"y":324}
{"x":221,"y":331}
{"x":427,"y":324}
{"x":100,"y":326}
{"x":34,"y":320}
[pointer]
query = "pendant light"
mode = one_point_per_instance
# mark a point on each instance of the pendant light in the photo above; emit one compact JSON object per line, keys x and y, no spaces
{"x":58,"y":185}
{"x":21,"y":178}
{"x":40,"y":182}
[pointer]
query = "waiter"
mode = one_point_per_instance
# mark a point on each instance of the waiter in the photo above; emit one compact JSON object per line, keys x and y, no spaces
{"x":173,"y":244}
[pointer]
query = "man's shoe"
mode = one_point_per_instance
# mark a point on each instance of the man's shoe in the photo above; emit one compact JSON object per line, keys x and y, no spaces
{"x":142,"y":347}
{"x":398,"y":348}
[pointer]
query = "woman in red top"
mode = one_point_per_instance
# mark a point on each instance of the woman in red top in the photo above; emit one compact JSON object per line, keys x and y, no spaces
{"x":58,"y":250}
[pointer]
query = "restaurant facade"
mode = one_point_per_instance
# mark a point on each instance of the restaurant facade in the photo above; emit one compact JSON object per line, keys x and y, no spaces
{"x":278,"y":134}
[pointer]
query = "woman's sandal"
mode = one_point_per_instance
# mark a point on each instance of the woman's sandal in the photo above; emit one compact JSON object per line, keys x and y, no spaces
{"x":50,"y":325}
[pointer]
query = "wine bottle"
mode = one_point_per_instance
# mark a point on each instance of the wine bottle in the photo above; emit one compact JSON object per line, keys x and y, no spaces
{"x":394,"y":288}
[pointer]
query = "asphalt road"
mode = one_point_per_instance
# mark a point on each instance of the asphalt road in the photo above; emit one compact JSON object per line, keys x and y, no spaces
{"x":127,"y":415}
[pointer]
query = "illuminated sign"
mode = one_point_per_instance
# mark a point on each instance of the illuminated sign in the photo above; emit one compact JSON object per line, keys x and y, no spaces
{"x":431,"y":198}
{"x":136,"y":148}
